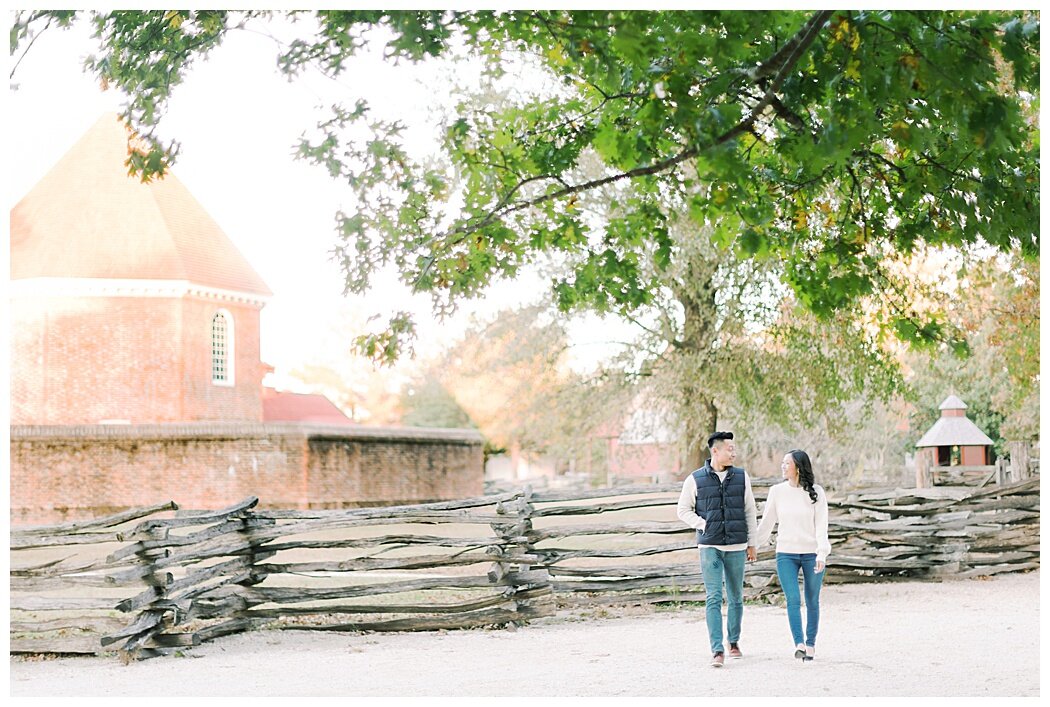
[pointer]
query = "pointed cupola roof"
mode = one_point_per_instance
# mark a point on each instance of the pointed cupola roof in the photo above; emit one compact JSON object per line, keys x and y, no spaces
{"x":954,"y":428}
{"x":88,"y":219}
{"x":953,"y":402}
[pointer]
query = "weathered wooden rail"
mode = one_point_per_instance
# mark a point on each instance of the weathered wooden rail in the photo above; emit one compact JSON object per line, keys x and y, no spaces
{"x":876,"y":536}
{"x":147,"y":587}
{"x":151,"y":586}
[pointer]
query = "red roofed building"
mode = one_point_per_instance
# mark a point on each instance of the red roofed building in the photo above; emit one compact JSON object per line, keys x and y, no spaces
{"x":281,"y":406}
{"x":128,"y":302}
{"x":130,"y":305}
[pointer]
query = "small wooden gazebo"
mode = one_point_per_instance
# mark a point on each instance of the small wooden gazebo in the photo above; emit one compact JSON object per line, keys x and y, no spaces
{"x":954,"y":443}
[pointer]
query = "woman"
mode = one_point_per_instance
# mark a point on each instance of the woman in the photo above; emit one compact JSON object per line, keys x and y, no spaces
{"x":799,"y":509}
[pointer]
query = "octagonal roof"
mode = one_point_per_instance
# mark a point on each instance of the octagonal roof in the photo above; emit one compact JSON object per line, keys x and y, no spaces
{"x":88,"y":219}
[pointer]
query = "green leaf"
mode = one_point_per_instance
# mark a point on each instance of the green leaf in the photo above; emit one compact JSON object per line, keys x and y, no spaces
{"x":753,"y":244}
{"x":606,"y":142}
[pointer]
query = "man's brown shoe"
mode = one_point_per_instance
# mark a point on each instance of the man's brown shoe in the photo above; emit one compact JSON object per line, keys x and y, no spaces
{"x":734,"y":651}
{"x":718,"y":659}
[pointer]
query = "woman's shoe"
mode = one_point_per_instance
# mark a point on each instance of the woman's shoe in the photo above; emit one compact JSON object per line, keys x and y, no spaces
{"x":800,"y":651}
{"x":811,"y":652}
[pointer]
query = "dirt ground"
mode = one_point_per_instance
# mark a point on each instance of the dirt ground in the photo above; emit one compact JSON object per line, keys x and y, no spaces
{"x":956,"y":638}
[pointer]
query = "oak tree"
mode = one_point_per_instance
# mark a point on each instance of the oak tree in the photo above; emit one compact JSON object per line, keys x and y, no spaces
{"x":818,"y":147}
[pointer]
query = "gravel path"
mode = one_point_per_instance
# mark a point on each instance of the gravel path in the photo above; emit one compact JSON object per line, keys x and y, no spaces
{"x":955,"y":638}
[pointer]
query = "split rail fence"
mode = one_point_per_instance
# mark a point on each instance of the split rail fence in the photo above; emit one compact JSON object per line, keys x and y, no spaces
{"x":155,"y":580}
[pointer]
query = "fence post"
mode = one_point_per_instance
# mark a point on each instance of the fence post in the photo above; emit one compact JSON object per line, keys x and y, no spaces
{"x":535,"y":581}
{"x":151,"y":619}
{"x":923,"y":479}
{"x":525,"y":523}
{"x":530,"y":588}
{"x":1020,"y":466}
{"x":257,"y":551}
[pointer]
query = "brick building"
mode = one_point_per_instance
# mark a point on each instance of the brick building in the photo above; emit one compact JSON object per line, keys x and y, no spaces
{"x":135,"y":365}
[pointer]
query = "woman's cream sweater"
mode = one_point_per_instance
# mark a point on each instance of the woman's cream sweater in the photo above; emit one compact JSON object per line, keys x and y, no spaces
{"x":802,"y":526}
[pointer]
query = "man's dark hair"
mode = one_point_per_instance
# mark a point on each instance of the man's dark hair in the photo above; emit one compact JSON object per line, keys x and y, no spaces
{"x":718,"y":436}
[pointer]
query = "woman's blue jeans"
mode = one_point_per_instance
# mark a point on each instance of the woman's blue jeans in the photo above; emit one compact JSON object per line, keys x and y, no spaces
{"x":718,"y":567}
{"x":788,"y":566}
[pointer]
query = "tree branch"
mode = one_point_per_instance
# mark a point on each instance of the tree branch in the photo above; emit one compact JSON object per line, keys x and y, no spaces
{"x":569,"y":121}
{"x":793,"y":119}
{"x":892,"y":165}
{"x":786,"y":59}
{"x":33,"y":18}
{"x":863,"y":206}
{"x":792,"y":49}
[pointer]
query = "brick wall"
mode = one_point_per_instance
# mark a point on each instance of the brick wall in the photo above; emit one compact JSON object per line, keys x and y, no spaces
{"x":395,"y":470}
{"x":61,"y":473}
{"x":83,"y":360}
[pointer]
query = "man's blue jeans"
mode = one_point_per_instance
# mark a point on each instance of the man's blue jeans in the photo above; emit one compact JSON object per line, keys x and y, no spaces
{"x":788,"y":566}
{"x":720,"y":566}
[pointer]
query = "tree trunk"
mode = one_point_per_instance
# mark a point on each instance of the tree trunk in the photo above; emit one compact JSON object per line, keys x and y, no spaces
{"x":697,"y":431}
{"x":696,"y":294}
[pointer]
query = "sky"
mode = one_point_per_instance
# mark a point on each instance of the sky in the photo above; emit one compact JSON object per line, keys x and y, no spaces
{"x":237,"y":120}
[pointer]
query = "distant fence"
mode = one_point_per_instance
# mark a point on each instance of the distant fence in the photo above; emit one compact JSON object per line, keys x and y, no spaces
{"x":1020,"y":466}
{"x":149,"y":587}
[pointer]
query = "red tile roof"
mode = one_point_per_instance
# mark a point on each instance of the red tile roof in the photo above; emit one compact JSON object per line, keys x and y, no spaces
{"x":87,"y":218}
{"x":281,"y":406}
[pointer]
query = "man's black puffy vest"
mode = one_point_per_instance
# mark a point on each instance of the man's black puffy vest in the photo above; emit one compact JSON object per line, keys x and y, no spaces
{"x":721,"y":505}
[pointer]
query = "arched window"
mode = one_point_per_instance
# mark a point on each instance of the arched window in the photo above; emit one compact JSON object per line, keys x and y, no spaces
{"x":222,"y":348}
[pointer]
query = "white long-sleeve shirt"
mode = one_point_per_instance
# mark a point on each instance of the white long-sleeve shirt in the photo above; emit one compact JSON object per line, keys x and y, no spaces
{"x":687,"y":510}
{"x":802,"y":526}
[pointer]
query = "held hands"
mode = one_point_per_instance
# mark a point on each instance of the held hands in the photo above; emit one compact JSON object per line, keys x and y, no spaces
{"x":752,"y":554}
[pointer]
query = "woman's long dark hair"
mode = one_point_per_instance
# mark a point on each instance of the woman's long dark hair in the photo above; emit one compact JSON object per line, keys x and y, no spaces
{"x":805,"y":472}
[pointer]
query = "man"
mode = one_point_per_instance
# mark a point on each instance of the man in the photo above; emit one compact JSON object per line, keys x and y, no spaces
{"x":717,"y":500}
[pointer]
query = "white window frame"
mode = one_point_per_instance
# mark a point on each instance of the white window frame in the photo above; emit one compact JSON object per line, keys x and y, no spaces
{"x":228,"y":381}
